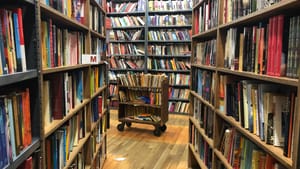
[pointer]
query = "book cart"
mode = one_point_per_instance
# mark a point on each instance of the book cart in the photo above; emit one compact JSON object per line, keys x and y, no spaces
{"x":143,"y":99}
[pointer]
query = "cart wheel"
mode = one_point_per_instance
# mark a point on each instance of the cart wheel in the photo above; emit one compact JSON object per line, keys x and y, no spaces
{"x":157,"y":132}
{"x":128,"y":124}
{"x":120,"y":127}
{"x":163,"y":128}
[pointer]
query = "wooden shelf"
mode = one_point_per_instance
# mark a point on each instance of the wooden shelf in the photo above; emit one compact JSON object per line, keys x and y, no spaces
{"x":209,"y":141}
{"x":98,"y":91}
{"x":55,"y":124}
{"x":98,"y":147}
{"x":17,"y":77}
{"x":171,"y":12}
{"x":97,"y":34}
{"x":63,"y":68}
{"x":276,"y":152}
{"x":117,"y":14}
{"x":169,"y":26}
{"x":197,"y":157}
{"x":202,"y":100}
{"x":206,"y":67}
{"x":222,"y":159}
{"x":210,"y":33}
{"x":139,"y":104}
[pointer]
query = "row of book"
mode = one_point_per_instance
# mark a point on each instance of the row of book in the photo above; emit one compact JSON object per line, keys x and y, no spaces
{"x":205,"y":53}
{"x":63,"y":141}
{"x":176,"y":35}
{"x":179,"y":79}
{"x":206,"y":17}
{"x":201,"y":147}
{"x":170,"y":5}
{"x":126,"y":35}
{"x":266,"y":110}
{"x":167,"y":64}
{"x":97,"y":20}
{"x":123,"y":49}
{"x":74,"y":9}
{"x":98,"y":47}
{"x":242,"y":153}
{"x":237,"y":8}
{"x":120,"y":63}
{"x":142,"y":80}
{"x":138,"y":97}
{"x":125,"y":7}
{"x":113,"y":90}
{"x":112,"y":76}
{"x":263,"y":48}
{"x":178,"y":49}
{"x":204,"y":116}
{"x":15,"y":125}
{"x":97,"y":79}
{"x":60,"y":47}
{"x":12,"y":46}
{"x":204,"y":84}
{"x":62,"y":93}
{"x":170,"y":20}
{"x":178,"y":107}
{"x":179,"y":93}
{"x":127,"y":21}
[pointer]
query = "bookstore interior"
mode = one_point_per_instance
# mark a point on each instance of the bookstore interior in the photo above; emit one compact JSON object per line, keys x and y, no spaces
{"x":230,"y":66}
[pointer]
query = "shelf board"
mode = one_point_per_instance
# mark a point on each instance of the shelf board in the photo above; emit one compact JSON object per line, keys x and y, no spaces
{"x":76,"y":150}
{"x":274,"y":79}
{"x":55,"y":124}
{"x":139,"y":104}
{"x":179,"y":86}
{"x":276,"y":152}
{"x":222,"y":159}
{"x":209,"y":33}
{"x":17,"y":77}
{"x":58,"y":16}
{"x":211,"y":68}
{"x":128,"y":27}
{"x":170,"y":56}
{"x":99,"y":35}
{"x":263,"y":13}
{"x":197,"y":157}
{"x":120,"y":69}
{"x":139,"y":121}
{"x":209,"y":141}
{"x":197,"y":5}
{"x":169,"y":41}
{"x":94,"y":124}
{"x":171,"y":12}
{"x":125,"y":55}
{"x":98,"y":91}
{"x":63,"y":68}
{"x":25,"y":154}
{"x":126,"y":41}
{"x":202,"y":100}
{"x":136,"y":13}
{"x":169,"y":26}
{"x":169,"y":71}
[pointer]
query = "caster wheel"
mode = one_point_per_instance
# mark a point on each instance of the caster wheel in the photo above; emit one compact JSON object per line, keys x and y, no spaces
{"x":128,"y":124}
{"x":120,"y":127}
{"x":157,"y":132}
{"x":163,"y":128}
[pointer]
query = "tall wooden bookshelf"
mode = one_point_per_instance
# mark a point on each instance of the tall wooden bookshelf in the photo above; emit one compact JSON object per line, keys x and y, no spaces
{"x":244,"y":91}
{"x":164,"y":50}
{"x":62,"y":101}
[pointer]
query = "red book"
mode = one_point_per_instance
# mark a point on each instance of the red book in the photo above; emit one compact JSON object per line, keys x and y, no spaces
{"x":196,"y":21}
{"x":26,"y":118}
{"x":21,"y":36}
{"x":278,"y":47}
{"x":27,"y":164}
{"x":57,"y":96}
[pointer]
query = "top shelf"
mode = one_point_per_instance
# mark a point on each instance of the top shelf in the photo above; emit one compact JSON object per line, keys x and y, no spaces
{"x":17,"y":77}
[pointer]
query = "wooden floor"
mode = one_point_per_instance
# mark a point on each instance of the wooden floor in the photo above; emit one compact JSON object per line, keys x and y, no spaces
{"x":138,"y":148}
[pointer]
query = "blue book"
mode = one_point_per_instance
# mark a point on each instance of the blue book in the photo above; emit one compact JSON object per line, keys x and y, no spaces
{"x":3,"y":143}
{"x":17,"y":42}
{"x":2,"y":55}
{"x":54,"y":151}
{"x":79,"y":85}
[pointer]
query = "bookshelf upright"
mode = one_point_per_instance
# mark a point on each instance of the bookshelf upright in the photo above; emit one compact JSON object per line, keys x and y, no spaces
{"x":245,"y":87}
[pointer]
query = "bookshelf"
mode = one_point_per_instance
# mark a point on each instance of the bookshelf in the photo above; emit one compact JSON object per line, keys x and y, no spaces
{"x":74,"y":95}
{"x":165,"y":42}
{"x":244,"y":91}
{"x":143,"y":99}
{"x":19,"y":103}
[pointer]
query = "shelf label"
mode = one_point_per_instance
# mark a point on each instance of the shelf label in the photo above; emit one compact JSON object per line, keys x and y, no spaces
{"x":90,"y":59}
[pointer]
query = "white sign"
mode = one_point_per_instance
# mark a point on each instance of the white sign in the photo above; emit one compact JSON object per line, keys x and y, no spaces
{"x":90,"y":59}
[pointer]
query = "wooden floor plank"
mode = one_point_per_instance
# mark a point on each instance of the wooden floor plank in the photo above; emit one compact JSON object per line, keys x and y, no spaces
{"x":137,"y":148}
